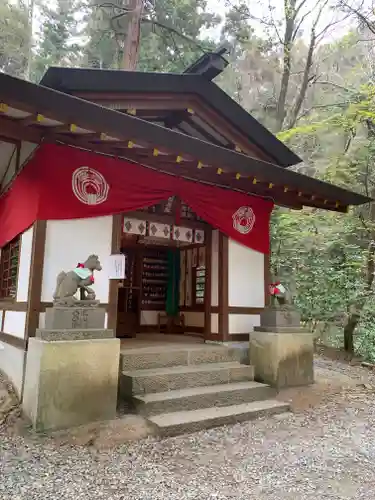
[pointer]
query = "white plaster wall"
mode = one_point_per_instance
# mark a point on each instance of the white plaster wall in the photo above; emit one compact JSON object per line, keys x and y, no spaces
{"x":245,"y":275}
{"x":11,"y":363}
{"x":71,"y":241}
{"x":149,"y":317}
{"x":42,"y":320}
{"x":10,"y":160}
{"x":27,"y":148}
{"x":193,"y":318}
{"x":14,"y":323}
{"x":215,"y":269}
{"x":24,"y":265}
{"x":214,"y":323}
{"x":243,"y":323}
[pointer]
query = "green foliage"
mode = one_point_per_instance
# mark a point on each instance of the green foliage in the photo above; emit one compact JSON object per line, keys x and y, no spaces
{"x":14,"y":38}
{"x":312,"y":253}
{"x":59,"y":30}
{"x":161,"y":49}
{"x":327,"y":258}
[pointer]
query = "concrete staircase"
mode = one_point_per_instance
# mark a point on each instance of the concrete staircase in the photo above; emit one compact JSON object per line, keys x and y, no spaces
{"x":186,"y":388}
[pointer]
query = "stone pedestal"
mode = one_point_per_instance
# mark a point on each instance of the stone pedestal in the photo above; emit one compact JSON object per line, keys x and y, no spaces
{"x":280,"y":350}
{"x":282,"y":317}
{"x":72,"y":370}
{"x":74,"y":323}
{"x":74,"y":318}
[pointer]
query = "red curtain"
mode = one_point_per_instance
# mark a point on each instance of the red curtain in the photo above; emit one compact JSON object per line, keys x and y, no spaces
{"x":61,"y":182}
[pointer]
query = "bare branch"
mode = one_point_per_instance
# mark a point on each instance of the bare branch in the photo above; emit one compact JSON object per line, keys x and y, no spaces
{"x":274,"y":22}
{"x":299,"y":7}
{"x":300,"y":22}
{"x":336,"y":85}
{"x":357,"y":12}
{"x":174,"y":30}
{"x":323,"y":106}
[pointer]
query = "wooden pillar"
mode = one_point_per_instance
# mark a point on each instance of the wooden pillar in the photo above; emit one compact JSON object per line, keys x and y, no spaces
{"x":267,"y":278}
{"x":113,"y":284}
{"x":223,"y":288}
{"x":36,"y":278}
{"x":208,"y":284}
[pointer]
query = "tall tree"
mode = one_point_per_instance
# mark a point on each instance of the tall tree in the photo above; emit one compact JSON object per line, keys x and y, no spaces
{"x":14,"y":37}
{"x":285,"y":32}
{"x":58,"y":45}
{"x":170,"y":34}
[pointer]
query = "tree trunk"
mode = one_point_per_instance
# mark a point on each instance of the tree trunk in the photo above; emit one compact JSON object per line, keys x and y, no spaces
{"x":290,"y":17}
{"x":30,"y":41}
{"x":355,"y":315}
{"x":281,"y":102}
{"x":349,"y":329}
{"x":131,"y":49}
{"x":305,"y":83}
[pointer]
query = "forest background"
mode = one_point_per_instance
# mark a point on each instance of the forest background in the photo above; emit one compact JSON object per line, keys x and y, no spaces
{"x":304,"y":69}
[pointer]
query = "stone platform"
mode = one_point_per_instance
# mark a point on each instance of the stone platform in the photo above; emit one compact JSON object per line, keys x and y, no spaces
{"x":71,"y":369}
{"x":78,"y":334}
{"x":282,"y":359}
{"x":70,"y":383}
{"x":281,"y":351}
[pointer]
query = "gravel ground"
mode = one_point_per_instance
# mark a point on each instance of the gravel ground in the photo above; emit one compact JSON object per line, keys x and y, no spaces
{"x":324,"y":450}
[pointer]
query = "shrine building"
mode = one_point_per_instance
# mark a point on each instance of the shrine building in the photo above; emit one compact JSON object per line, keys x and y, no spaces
{"x":165,"y":169}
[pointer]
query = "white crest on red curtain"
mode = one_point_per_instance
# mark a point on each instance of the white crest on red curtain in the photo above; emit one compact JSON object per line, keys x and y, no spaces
{"x":89,"y":186}
{"x":243,"y":220}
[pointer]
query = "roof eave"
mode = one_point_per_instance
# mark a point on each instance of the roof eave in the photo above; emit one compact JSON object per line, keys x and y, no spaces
{"x":42,"y":101}
{"x":79,"y":80}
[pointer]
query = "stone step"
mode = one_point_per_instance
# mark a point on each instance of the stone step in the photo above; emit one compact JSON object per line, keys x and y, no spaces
{"x":182,"y":377}
{"x":143,"y":358}
{"x":173,"y":424}
{"x":202,"y":397}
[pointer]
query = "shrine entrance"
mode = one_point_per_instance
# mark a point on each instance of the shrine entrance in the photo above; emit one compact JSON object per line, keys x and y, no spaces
{"x":165,"y":288}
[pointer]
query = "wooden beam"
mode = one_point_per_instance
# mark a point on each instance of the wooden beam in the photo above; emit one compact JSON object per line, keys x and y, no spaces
{"x":113,"y":284}
{"x":10,"y":305}
{"x":139,"y":100}
{"x":215,"y":120}
{"x":31,"y":120}
{"x":208,"y":283}
{"x":267,"y":278}
{"x":223,"y":288}
{"x":11,"y":129}
{"x":166,"y":219}
{"x":3,"y":138}
{"x":245,"y":310}
{"x":6,"y":170}
{"x":174,"y":102}
{"x":12,"y":340}
{"x":36,"y":278}
{"x":18,"y":156}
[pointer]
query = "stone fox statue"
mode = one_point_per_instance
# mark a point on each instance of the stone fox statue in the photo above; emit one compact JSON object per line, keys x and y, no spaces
{"x":80,"y":278}
{"x":280,"y":296}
